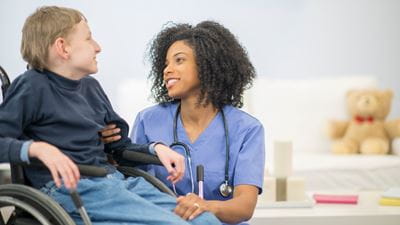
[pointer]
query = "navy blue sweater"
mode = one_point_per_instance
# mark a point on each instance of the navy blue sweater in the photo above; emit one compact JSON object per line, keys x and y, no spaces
{"x":43,"y":106}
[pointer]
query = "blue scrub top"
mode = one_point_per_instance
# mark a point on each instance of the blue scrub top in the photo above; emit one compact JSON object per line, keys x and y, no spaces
{"x":247,"y":148}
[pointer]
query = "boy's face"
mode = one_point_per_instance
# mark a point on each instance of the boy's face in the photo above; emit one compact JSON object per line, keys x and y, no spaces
{"x":83,"y":50}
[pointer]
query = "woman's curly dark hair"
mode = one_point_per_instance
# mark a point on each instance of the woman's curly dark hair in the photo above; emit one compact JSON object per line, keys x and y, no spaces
{"x":224,"y":69}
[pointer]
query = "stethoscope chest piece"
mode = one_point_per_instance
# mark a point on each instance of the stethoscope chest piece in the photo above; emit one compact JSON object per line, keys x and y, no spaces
{"x":225,"y":189}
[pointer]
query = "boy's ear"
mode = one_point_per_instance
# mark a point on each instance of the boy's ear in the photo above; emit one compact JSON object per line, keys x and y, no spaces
{"x":60,"y":48}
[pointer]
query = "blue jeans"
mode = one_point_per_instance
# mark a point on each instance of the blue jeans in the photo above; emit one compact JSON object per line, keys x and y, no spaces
{"x":115,"y":200}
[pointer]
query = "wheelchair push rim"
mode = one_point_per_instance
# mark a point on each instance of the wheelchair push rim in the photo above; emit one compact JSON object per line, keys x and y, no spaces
{"x":30,"y":203}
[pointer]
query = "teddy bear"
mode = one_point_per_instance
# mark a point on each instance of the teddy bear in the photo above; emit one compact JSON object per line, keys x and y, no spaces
{"x":366,"y":132}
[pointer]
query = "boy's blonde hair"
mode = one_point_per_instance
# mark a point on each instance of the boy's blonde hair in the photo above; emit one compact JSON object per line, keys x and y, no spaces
{"x":42,"y":28}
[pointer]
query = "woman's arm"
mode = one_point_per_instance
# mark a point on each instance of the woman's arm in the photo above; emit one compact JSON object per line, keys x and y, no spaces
{"x":173,"y":162}
{"x":239,"y":208}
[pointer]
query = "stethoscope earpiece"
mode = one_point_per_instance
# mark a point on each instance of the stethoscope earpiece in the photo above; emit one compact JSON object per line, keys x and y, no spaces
{"x":225,"y":189}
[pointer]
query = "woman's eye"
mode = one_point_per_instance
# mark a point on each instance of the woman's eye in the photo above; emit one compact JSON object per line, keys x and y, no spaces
{"x":179,"y":60}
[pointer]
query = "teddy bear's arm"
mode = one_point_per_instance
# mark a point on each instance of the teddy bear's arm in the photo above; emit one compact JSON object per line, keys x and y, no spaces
{"x":336,"y":129}
{"x":393,"y":128}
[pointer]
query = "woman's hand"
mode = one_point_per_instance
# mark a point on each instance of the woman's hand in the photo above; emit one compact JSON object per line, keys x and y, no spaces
{"x":190,"y":206}
{"x":172,"y":161}
{"x":109,"y":133}
{"x":232,"y":211}
{"x":61,"y":167}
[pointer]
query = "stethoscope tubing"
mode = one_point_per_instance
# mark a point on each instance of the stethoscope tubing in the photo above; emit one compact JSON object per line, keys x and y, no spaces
{"x":189,"y":162}
{"x":176,"y":142}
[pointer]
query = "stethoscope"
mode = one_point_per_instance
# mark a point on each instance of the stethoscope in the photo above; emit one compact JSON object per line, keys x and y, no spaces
{"x":224,"y":189}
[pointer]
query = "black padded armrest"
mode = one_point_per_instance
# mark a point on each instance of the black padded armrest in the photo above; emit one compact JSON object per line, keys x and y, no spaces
{"x":85,"y":170}
{"x":95,"y":171}
{"x":92,"y":171}
{"x":140,"y":158}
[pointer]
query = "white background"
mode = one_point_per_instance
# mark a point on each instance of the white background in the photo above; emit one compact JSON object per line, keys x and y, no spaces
{"x":301,"y":39}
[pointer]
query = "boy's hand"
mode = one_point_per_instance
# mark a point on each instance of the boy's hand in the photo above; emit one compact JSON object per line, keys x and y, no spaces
{"x":60,"y":166}
{"x":173,"y":162}
{"x":108,"y":133}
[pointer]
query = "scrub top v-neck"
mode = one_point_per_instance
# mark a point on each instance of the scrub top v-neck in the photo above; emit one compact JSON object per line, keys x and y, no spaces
{"x":247,"y":148}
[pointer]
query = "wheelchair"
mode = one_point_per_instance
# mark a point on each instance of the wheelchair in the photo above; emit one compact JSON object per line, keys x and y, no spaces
{"x":21,"y":204}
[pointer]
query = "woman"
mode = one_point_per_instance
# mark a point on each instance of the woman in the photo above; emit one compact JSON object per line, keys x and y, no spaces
{"x":199,"y":74}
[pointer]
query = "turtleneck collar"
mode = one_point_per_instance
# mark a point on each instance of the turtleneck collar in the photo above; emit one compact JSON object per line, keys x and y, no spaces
{"x":61,"y":81}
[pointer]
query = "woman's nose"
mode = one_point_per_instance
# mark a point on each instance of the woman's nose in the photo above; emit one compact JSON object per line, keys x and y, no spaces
{"x":167,"y":70}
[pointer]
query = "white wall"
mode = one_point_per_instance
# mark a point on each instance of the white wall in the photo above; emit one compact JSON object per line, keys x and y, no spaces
{"x":298,"y":39}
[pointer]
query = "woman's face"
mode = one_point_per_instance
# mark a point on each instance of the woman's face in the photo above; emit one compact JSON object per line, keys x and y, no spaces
{"x":180,"y":72}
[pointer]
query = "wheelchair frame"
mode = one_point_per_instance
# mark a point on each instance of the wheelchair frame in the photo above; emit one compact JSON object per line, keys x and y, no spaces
{"x":21,"y":204}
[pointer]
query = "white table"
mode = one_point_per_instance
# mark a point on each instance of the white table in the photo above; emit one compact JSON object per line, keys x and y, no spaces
{"x":366,"y":212}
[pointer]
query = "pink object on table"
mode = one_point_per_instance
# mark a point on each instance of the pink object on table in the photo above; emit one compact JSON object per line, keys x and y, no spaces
{"x":336,"y":199}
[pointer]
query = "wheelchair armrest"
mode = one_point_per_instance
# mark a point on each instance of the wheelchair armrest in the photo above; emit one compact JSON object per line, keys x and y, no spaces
{"x":85,"y":170}
{"x":92,"y":171}
{"x":140,"y":157}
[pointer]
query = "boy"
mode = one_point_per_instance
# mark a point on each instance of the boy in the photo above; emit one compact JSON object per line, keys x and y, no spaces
{"x":54,"y":111}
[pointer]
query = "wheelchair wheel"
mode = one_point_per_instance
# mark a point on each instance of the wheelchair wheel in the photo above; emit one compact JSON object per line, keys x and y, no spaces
{"x":26,"y":205}
{"x":135,"y":172}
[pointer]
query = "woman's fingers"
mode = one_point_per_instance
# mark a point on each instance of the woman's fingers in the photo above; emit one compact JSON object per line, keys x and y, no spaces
{"x":108,"y":133}
{"x":196,"y":212}
{"x":190,"y":210}
{"x":176,"y":174}
{"x":109,"y":126}
{"x":173,"y":162}
{"x":180,"y":168}
{"x":109,"y":130}
{"x":108,"y":140}
{"x":189,"y":206}
{"x":181,"y":207}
